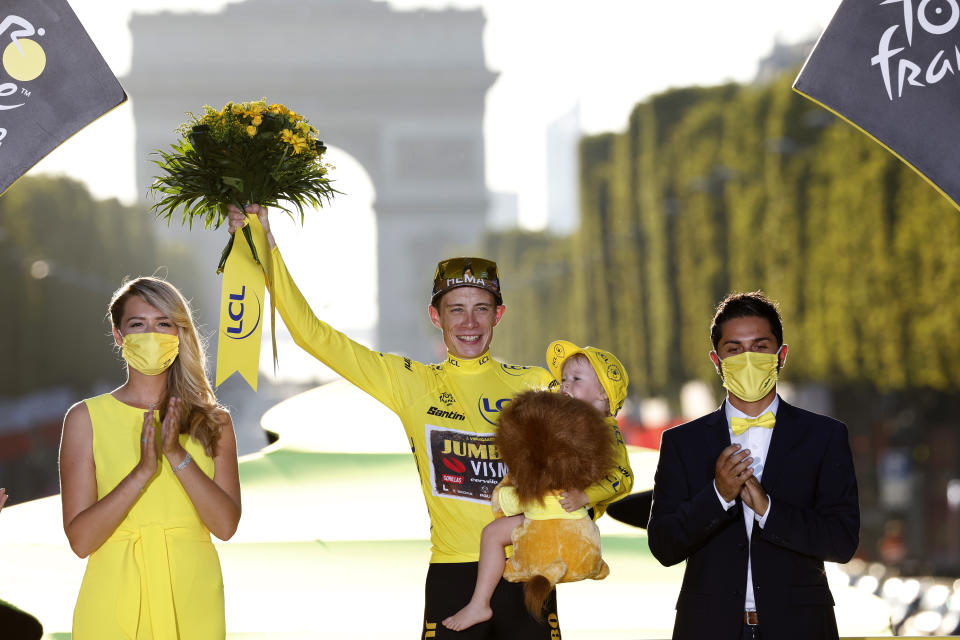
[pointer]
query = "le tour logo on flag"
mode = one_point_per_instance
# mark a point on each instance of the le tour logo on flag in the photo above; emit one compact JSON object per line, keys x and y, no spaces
{"x":892,"y":69}
{"x":53,"y":83}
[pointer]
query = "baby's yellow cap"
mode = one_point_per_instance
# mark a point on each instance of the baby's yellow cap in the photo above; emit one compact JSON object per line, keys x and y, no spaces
{"x":613,"y":377}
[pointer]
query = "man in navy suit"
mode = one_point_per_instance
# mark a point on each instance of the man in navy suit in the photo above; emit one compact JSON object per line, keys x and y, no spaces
{"x":754,"y":496}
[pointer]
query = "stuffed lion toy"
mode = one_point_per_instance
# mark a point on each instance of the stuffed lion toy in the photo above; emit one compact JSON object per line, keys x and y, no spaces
{"x":550,"y":443}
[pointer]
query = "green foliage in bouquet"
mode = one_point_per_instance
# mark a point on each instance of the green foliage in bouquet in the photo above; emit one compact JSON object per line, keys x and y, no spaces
{"x":246,"y":152}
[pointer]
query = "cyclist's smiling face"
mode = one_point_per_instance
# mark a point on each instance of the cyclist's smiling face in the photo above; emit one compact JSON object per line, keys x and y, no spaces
{"x":467,"y":316}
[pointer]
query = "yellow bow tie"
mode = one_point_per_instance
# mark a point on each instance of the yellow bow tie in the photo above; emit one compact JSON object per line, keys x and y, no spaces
{"x":740,"y":425}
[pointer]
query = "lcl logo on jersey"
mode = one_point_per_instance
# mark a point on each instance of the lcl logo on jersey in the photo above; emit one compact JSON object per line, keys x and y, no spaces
{"x":490,"y":409}
{"x":513,"y":369}
{"x":244,"y":311}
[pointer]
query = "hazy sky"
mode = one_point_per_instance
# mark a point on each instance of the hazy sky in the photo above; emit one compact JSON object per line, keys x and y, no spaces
{"x":604,"y":55}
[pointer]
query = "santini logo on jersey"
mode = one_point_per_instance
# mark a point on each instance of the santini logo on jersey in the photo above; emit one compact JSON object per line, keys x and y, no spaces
{"x":443,"y":413}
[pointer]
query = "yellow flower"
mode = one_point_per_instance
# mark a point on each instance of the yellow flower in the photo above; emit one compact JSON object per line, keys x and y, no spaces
{"x":253,"y":110}
{"x":236,"y":109}
{"x":251,"y":131}
{"x":299,"y":143}
{"x":257,"y":120}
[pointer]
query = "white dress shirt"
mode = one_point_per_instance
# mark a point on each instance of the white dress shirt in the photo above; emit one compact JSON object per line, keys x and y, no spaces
{"x":757,"y":440}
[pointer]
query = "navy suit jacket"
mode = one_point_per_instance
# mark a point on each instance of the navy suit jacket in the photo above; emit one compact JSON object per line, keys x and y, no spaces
{"x":815,"y":516}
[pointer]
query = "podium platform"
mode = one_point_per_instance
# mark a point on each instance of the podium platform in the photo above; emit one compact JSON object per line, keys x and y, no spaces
{"x":334,"y":543}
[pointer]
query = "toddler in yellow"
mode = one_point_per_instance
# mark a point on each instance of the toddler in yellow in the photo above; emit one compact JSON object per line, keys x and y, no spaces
{"x":597,"y":378}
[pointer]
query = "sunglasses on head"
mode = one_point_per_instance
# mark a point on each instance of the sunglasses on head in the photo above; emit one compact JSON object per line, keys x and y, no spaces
{"x":459,"y":267}
{"x":459,"y":272}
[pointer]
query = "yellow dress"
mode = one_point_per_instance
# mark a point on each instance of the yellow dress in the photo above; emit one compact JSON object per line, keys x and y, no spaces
{"x":158,"y":576}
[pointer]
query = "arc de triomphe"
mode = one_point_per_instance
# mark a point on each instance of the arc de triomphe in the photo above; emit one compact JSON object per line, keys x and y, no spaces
{"x":402,"y":91}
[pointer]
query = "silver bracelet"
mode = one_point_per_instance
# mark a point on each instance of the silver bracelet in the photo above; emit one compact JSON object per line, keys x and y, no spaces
{"x":184,"y":463}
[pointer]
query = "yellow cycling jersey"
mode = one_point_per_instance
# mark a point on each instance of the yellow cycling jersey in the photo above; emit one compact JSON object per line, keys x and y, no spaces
{"x":449,"y":412}
{"x":619,"y":480}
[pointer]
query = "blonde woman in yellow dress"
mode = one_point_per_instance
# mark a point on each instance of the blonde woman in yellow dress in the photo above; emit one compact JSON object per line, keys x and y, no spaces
{"x":147,"y":473}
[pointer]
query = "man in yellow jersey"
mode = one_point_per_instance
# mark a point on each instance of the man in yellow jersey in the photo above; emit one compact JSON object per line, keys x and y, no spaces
{"x":449,"y":412}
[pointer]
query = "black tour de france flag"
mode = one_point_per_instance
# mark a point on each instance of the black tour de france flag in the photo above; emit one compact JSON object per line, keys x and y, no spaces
{"x":892,"y":69}
{"x":53,"y":82}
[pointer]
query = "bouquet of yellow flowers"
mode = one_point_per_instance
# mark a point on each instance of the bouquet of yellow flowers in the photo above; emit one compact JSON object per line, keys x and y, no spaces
{"x":246,"y":152}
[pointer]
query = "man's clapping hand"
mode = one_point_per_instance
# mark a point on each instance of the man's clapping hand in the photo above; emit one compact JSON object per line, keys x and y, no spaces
{"x":754,"y":496}
{"x":732,"y":471}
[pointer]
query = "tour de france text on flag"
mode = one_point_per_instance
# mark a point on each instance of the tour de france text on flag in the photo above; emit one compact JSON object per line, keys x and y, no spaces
{"x":53,"y":82}
{"x":892,"y":68}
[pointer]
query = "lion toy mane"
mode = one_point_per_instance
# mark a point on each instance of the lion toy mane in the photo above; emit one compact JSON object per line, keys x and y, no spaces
{"x":550,"y":443}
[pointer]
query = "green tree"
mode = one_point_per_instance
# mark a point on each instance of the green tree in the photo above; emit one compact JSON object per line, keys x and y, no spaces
{"x":63,"y":253}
